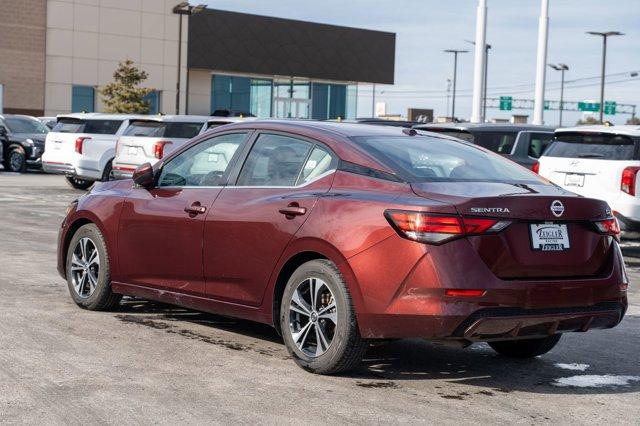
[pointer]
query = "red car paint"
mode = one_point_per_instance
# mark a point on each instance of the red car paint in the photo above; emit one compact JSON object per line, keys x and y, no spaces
{"x":234,"y":257}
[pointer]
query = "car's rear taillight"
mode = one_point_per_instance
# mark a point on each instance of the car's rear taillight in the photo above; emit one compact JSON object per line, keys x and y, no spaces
{"x":158,"y":148}
{"x":535,"y":167}
{"x":609,"y":226}
{"x":80,"y":143}
{"x":628,"y":180}
{"x":433,"y":228}
{"x":118,"y":144}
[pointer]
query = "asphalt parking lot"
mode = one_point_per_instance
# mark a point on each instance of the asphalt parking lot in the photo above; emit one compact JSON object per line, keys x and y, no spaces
{"x":151,"y":363}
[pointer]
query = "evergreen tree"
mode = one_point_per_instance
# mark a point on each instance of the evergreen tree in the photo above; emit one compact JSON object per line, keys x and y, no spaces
{"x":124,"y":95}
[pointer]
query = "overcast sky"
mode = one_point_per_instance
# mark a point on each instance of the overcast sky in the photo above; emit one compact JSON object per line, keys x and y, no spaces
{"x":426,"y":27}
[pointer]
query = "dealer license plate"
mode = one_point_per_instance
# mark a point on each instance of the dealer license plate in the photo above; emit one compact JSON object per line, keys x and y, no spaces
{"x":549,"y":236}
{"x":574,"y":179}
{"x":133,"y":150}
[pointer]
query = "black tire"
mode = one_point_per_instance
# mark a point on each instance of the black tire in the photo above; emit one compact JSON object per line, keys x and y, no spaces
{"x":346,"y":347}
{"x":16,"y":160}
{"x":107,"y":174}
{"x":527,"y":348}
{"x":101,"y":298}
{"x":78,"y":183}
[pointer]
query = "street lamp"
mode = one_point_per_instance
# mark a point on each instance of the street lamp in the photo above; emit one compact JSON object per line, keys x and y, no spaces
{"x":484,"y":86}
{"x":604,"y":36}
{"x":562,"y":68}
{"x":455,"y":71}
{"x":183,"y":8}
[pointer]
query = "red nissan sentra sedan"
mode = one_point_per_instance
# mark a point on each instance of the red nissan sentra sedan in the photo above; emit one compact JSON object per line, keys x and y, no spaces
{"x":337,"y":234}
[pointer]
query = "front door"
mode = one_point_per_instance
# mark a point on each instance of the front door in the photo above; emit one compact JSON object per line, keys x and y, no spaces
{"x":160,"y":235}
{"x":252,"y":222}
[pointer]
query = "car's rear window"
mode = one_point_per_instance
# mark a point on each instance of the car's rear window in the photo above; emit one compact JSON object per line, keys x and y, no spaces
{"x":500,"y":142}
{"x":598,"y":146}
{"x":426,"y":158}
{"x":214,"y":124}
{"x":158,"y":129}
{"x":96,"y":127}
{"x":460,"y":134}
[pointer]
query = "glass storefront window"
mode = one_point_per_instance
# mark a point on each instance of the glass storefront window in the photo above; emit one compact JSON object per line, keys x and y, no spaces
{"x":242,"y":95}
{"x":82,"y":99}
{"x":352,"y":102}
{"x":261,"y":90}
{"x":153,"y":98}
{"x":329,"y":101}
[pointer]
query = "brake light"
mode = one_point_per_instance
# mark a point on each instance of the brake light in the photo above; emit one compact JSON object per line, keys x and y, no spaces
{"x":438,"y":228}
{"x":158,"y":148}
{"x":609,"y":227}
{"x":118,"y":144}
{"x":80,"y":143}
{"x":536,"y":167}
{"x":628,"y":180}
{"x":455,"y":292}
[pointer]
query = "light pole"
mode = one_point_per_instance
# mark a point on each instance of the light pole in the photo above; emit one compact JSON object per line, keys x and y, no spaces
{"x":604,"y":36}
{"x":484,"y":84}
{"x":183,"y":8}
{"x":448,"y":92}
{"x":455,"y":72}
{"x":562,"y":68}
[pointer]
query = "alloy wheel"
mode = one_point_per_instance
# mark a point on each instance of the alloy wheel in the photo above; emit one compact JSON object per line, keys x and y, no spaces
{"x":15,"y":160}
{"x":85,"y":267}
{"x":313,"y":317}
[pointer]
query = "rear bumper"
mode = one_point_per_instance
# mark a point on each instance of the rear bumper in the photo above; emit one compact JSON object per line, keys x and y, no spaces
{"x":627,"y":224}
{"x":123,"y":171}
{"x":58,"y":168}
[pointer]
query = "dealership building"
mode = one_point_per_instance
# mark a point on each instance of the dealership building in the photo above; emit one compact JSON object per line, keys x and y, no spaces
{"x":58,"y":53}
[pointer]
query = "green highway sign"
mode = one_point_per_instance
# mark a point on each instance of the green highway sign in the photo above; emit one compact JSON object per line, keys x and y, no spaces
{"x":610,"y":107}
{"x":506,"y":103}
{"x":589,"y":106}
{"x":546,"y":105}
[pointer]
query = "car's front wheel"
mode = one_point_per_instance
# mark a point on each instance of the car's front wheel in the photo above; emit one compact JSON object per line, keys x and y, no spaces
{"x":16,"y":161}
{"x":318,"y":321}
{"x":79,"y":183}
{"x":88,"y":275}
{"x":527,"y":348}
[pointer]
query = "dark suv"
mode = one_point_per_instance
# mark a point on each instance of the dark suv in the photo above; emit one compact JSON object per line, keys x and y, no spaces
{"x":522,"y":143}
{"x":22,"y":140}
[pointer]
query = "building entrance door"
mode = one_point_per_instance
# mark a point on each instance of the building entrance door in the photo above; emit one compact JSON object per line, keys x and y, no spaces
{"x":292,"y":99}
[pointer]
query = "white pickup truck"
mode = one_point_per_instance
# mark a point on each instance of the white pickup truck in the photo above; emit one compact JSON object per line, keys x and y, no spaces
{"x":82,"y":146}
{"x":599,"y":162}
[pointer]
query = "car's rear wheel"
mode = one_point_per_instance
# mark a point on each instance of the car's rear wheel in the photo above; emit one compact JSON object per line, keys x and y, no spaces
{"x":16,"y":160}
{"x":107,"y":174}
{"x":527,"y":348}
{"x":318,"y":321}
{"x":79,"y":183}
{"x":88,"y":275}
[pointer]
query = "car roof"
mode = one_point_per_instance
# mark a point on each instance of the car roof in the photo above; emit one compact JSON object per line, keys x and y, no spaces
{"x":484,"y":126}
{"x":30,"y":117}
{"x":329,"y":127}
{"x":175,"y":118}
{"x":97,"y":116}
{"x":628,"y":130}
{"x":229,"y":119}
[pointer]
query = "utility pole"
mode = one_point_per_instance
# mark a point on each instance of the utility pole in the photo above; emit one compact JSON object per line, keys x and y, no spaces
{"x":183,"y":8}
{"x":562,"y":68}
{"x":543,"y":37}
{"x":484,"y":85}
{"x":604,"y":36}
{"x":448,"y":92}
{"x":479,"y":67}
{"x":455,"y":73}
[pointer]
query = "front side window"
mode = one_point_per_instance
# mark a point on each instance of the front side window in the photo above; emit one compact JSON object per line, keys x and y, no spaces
{"x":274,"y":160}
{"x":500,"y":142}
{"x":204,"y":164}
{"x":432,"y":159}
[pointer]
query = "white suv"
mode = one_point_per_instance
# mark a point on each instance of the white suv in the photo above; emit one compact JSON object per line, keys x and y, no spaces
{"x":598,"y":162}
{"x":82,"y":146}
{"x":148,"y":139}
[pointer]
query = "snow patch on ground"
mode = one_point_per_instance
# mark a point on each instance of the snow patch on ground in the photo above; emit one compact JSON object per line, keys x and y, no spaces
{"x":594,"y":381}
{"x":575,"y":367}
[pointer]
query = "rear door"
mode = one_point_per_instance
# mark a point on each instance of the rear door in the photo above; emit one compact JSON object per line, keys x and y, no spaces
{"x":253,"y":221}
{"x":589,"y":164}
{"x":160,"y":231}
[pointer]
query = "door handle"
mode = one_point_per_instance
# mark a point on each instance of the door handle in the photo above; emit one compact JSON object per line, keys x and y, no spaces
{"x":293,"y":210}
{"x":195,"y":209}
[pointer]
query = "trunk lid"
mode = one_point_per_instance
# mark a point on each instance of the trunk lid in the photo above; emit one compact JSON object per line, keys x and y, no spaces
{"x":510,"y":254}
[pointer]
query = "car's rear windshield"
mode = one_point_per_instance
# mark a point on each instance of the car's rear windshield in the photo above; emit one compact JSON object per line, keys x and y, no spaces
{"x":598,"y":146}
{"x":460,"y":134}
{"x":432,"y":159}
{"x":95,"y":127}
{"x":214,"y":124}
{"x":25,"y":125}
{"x":159,"y":129}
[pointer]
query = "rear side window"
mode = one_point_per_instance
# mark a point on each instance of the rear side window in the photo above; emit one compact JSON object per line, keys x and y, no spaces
{"x":97,"y":127}
{"x":274,"y":160}
{"x":158,"y":129}
{"x":431,"y":159}
{"x":599,"y":146}
{"x":500,"y":142}
{"x":538,"y":143}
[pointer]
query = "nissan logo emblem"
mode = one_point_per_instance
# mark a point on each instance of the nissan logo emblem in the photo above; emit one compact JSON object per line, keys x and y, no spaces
{"x":557,"y":208}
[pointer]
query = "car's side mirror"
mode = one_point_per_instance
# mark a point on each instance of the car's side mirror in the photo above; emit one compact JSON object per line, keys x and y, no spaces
{"x":3,"y":130}
{"x":143,"y":176}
